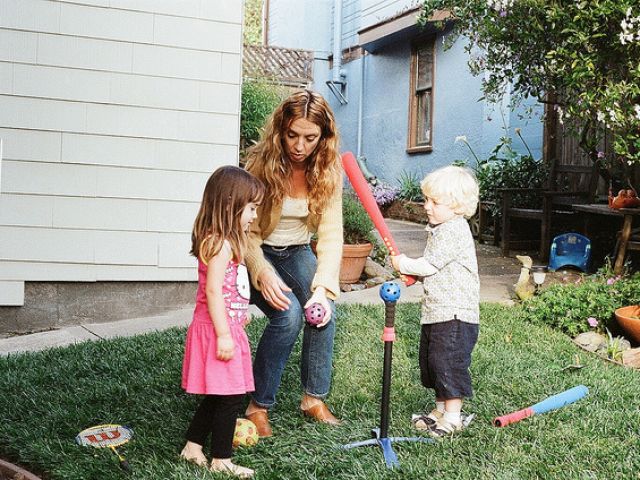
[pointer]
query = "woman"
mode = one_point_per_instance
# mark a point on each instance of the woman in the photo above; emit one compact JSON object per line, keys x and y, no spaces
{"x":298,"y":161}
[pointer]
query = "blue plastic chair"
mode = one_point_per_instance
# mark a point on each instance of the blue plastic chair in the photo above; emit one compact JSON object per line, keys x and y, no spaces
{"x":570,"y":249}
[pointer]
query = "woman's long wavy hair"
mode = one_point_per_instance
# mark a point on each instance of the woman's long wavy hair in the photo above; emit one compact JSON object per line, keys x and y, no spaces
{"x":267,"y":159}
{"x":228,"y":190}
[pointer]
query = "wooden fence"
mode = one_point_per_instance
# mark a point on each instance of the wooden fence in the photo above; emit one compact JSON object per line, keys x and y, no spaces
{"x":286,"y":66}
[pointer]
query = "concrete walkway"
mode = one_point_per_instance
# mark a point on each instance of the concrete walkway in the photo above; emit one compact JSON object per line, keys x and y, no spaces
{"x":497,"y":276}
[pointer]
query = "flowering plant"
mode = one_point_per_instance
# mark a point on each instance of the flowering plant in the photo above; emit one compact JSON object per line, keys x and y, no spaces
{"x":590,"y":304}
{"x":383,"y":193}
{"x":579,"y":55}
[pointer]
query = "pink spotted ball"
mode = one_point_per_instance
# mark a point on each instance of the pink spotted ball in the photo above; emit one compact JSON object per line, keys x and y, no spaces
{"x":314,"y":313}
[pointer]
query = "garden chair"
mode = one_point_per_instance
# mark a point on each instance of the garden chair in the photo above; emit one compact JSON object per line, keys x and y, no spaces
{"x":570,"y":249}
{"x":567,"y":185}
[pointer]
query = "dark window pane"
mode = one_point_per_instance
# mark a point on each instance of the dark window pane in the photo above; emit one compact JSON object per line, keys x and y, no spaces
{"x":424,"y":67}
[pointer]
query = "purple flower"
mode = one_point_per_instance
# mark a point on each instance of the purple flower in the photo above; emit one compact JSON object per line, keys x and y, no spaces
{"x":601,"y":154}
{"x":384,"y":193}
{"x":612,"y":280}
{"x":592,"y":321}
{"x":503,"y":13}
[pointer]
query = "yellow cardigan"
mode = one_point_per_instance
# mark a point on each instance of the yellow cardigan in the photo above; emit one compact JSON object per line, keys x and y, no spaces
{"x":327,"y":226}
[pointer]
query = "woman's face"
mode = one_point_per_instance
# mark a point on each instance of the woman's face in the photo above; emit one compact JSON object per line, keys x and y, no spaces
{"x":300,"y":140}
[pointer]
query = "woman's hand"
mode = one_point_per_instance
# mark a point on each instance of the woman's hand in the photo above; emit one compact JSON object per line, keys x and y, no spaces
{"x":226,"y":347}
{"x":320,"y":296}
{"x":273,"y":288}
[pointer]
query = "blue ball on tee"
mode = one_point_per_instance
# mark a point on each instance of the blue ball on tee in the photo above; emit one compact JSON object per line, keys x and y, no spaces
{"x":390,"y":291}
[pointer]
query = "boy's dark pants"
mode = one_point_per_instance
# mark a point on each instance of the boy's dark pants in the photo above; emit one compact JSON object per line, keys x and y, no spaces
{"x":217,"y":416}
{"x":445,"y":357}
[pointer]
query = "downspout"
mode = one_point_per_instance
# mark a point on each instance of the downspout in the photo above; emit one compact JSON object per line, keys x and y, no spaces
{"x":337,"y":84}
{"x":337,"y":40}
{"x":360,"y":106}
{"x":362,"y":160}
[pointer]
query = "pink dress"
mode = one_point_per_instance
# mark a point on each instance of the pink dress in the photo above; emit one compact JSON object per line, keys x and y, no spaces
{"x":202,"y":372}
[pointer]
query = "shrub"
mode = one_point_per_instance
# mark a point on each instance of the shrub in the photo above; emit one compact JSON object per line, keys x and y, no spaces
{"x":410,"y":187}
{"x":506,"y":168}
{"x":358,"y":227}
{"x":259,"y":100}
{"x":567,"y":307}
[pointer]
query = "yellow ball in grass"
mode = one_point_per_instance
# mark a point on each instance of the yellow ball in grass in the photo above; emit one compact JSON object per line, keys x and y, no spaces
{"x":246,"y":434}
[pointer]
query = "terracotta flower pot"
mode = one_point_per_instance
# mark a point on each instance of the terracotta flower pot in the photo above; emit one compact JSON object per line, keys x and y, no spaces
{"x":354,"y":258}
{"x":629,"y":319}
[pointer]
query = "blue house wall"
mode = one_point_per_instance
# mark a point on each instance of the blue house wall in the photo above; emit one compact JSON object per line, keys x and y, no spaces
{"x":457,"y":110}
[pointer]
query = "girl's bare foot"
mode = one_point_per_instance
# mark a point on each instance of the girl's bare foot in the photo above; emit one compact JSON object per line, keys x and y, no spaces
{"x":225,"y":465}
{"x":192,"y":452}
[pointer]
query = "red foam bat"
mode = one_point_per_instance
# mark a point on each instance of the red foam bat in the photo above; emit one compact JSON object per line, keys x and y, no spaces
{"x":361,"y":187}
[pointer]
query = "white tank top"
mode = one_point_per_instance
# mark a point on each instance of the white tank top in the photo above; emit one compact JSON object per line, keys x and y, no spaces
{"x":292,"y":227}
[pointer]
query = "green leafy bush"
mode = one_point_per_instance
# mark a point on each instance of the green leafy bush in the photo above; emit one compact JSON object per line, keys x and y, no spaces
{"x":410,"y":187}
{"x":259,"y":100}
{"x":567,"y":307}
{"x":507,"y":168}
{"x":358,"y":227}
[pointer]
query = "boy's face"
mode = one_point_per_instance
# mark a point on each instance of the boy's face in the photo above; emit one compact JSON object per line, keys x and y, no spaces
{"x":438,"y":213}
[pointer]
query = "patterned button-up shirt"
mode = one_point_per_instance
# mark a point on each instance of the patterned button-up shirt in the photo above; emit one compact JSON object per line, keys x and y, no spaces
{"x":454,"y":291}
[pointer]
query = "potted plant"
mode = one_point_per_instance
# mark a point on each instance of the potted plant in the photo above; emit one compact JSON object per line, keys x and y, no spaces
{"x":358,"y":238}
{"x":629,"y":319}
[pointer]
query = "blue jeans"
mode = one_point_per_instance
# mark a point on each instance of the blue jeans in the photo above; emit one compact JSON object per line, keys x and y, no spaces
{"x":296,"y":265}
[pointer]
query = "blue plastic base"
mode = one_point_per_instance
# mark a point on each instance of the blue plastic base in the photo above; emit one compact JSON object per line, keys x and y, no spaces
{"x":390,"y":457}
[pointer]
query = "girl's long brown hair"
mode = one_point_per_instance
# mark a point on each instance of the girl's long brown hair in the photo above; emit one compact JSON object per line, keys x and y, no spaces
{"x":267,"y":161}
{"x":228,"y":190}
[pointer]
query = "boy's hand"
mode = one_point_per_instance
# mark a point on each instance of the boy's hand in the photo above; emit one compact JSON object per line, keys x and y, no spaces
{"x":395,"y":261}
{"x":226,"y":347}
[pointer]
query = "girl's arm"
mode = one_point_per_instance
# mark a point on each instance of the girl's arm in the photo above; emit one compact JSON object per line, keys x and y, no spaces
{"x":215,"y":303}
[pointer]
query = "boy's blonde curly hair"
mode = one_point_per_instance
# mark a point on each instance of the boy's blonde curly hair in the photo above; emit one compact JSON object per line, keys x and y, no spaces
{"x":454,"y":186}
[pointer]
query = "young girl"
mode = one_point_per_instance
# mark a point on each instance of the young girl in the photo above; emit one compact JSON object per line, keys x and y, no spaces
{"x":217,"y":358}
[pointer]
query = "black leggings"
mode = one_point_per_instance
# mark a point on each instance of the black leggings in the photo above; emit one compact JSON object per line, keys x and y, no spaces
{"x":217,"y":416}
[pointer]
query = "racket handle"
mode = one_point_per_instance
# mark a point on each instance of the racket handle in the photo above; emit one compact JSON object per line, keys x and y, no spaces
{"x":124,"y":465}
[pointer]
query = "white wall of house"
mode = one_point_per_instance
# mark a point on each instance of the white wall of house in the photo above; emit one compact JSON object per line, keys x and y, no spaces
{"x":375,"y":11}
{"x":113,"y":114}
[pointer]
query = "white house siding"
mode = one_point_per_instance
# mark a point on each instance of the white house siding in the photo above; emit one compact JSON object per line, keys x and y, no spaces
{"x":113,"y":113}
{"x":375,"y":11}
{"x":351,"y":23}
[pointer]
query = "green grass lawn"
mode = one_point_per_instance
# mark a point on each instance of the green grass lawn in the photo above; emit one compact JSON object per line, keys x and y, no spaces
{"x":48,"y":397}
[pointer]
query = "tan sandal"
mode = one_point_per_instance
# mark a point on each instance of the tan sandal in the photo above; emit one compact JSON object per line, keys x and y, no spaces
{"x":424,"y":422}
{"x":444,"y":428}
{"x":230,"y":468}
